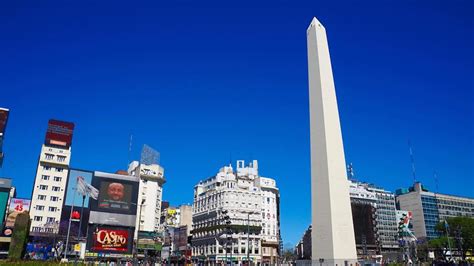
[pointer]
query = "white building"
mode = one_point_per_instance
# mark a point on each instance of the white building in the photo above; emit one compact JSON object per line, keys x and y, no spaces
{"x":249,"y":201}
{"x":150,"y":195}
{"x":270,"y":220}
{"x":49,"y":189}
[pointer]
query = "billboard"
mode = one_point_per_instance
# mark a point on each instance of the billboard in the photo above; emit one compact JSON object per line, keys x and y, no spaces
{"x":3,"y":205}
{"x":59,"y":133}
{"x":3,"y":120}
{"x":110,"y":239}
{"x":117,"y":193}
{"x":16,"y":207}
{"x":72,"y":185}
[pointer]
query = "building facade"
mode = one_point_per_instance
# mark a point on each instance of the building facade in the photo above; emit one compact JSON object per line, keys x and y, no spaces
{"x":430,"y":208}
{"x":364,"y":217}
{"x":270,"y":220}
{"x":51,"y":179}
{"x":229,"y":211}
{"x":150,"y":195}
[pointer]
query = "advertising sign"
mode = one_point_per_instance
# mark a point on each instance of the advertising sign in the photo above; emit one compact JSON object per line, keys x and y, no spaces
{"x":3,"y":205}
{"x":3,"y":120}
{"x":117,"y":193}
{"x":111,"y":239}
{"x":16,"y":207}
{"x":72,"y":185}
{"x":59,"y":133}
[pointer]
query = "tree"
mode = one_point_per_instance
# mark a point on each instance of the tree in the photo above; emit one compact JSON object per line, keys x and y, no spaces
{"x":288,"y":255}
{"x":440,"y":246}
{"x":19,"y":236}
{"x":461,"y":234}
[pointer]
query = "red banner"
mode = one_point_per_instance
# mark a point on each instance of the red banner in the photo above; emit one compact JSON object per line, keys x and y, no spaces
{"x":59,"y":133}
{"x":110,"y":239}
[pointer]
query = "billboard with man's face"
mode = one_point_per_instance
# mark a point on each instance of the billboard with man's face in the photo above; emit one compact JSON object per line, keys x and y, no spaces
{"x":117,"y":193}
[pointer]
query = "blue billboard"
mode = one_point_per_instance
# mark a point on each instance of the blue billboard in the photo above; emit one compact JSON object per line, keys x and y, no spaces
{"x":72,"y":185}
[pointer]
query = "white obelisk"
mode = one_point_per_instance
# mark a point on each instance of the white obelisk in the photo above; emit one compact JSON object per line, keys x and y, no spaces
{"x":333,"y":240}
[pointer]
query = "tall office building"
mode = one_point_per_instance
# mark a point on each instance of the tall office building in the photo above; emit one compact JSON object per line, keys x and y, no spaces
{"x":51,"y":178}
{"x":150,"y":195}
{"x":429,"y":208}
{"x":3,"y":125}
{"x":364,"y":216}
{"x":251,"y":203}
{"x":332,"y":231}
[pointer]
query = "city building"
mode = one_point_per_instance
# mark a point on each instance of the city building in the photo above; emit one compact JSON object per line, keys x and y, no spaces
{"x":3,"y":125}
{"x":429,"y":208}
{"x":385,"y":213}
{"x":270,"y":219}
{"x":303,"y":248}
{"x":112,"y":217}
{"x":51,"y":178}
{"x":150,"y":195}
{"x":176,"y":228}
{"x":229,"y":211}
{"x":333,"y":231}
{"x":364,"y":217}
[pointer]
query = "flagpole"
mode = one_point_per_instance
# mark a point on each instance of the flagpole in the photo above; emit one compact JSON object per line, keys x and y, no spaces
{"x":69,"y":225}
{"x":80,"y":218}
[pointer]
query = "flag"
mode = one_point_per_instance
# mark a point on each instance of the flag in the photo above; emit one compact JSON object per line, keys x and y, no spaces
{"x":86,"y":189}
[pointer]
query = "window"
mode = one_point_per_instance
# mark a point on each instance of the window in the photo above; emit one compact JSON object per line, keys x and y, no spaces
{"x":45,"y":167}
{"x":43,"y":187}
{"x":39,"y":207}
{"x":45,"y":177}
{"x":38,"y":218}
{"x":53,"y":198}
{"x":61,"y":158}
{"x":41,"y":197}
{"x":59,"y":169}
{"x":49,"y":156}
{"x":53,"y":209}
{"x":50,"y":219}
{"x":56,"y":188}
{"x":58,"y":178}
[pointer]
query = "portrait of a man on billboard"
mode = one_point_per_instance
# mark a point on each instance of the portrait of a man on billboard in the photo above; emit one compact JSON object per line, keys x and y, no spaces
{"x":115,"y":195}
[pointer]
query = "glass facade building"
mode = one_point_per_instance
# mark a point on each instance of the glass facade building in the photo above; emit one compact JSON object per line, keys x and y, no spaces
{"x":430,"y":208}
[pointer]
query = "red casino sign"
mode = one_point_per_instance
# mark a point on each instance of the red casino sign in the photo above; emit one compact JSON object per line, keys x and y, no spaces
{"x":110,"y":239}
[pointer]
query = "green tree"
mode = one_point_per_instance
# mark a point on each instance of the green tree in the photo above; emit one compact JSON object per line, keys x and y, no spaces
{"x":19,"y":236}
{"x":461,"y":234}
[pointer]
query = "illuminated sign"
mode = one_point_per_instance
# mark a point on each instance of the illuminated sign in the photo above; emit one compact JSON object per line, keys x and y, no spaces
{"x":110,"y":240}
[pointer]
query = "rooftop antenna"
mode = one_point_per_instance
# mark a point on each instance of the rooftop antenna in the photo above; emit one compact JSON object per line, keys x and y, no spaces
{"x":130,"y":148}
{"x":412,"y":162}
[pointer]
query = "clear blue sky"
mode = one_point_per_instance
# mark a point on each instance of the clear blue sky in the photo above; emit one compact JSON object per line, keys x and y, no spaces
{"x":201,"y":81}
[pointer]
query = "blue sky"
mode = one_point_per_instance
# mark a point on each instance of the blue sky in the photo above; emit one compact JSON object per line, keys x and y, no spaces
{"x":209,"y":81}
